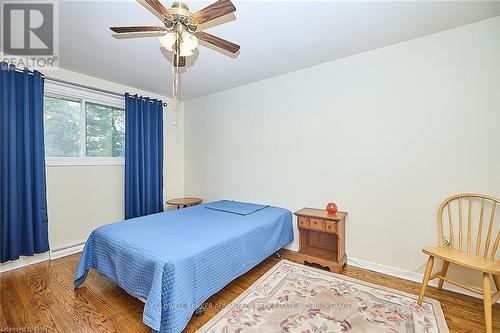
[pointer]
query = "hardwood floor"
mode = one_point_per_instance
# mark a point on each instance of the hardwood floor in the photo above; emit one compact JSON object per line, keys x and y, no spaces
{"x":40,"y":298}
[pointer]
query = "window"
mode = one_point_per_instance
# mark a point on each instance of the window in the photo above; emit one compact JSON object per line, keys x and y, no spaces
{"x":62,"y":127}
{"x":83,"y":126}
{"x":105,"y":130}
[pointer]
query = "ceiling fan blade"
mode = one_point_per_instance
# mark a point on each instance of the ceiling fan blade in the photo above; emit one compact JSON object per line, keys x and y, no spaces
{"x":215,"y":10}
{"x":181,"y":62}
{"x":155,"y":7}
{"x":137,"y":28}
{"x":219,"y":42}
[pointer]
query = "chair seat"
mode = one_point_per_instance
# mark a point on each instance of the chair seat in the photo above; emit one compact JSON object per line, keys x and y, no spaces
{"x":464,"y":259}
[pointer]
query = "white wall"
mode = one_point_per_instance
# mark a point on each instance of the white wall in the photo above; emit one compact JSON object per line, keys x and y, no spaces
{"x":386,"y":134}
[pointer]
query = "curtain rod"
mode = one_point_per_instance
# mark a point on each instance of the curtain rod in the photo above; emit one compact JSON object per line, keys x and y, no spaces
{"x":80,"y":85}
{"x":88,"y":87}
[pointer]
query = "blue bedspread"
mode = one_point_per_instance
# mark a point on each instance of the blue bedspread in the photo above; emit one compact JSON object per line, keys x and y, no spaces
{"x":177,"y":259}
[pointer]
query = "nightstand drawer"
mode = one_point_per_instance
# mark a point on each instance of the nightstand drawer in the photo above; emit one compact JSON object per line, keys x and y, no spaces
{"x":331,"y":227}
{"x":316,"y":224}
{"x":303,"y":222}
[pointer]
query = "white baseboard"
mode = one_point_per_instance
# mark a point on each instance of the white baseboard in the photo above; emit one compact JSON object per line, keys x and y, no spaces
{"x":24,"y":261}
{"x":388,"y":270}
{"x":292,"y":247}
{"x":38,"y":258}
{"x":66,"y":251}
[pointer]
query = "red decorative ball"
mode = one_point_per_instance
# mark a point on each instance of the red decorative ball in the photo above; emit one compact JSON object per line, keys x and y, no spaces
{"x":331,"y":208}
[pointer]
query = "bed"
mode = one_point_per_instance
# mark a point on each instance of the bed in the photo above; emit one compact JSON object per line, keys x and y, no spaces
{"x":176,"y":260}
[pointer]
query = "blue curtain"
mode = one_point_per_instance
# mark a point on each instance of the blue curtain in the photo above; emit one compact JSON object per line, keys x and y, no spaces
{"x":143,"y":156}
{"x":23,"y":204}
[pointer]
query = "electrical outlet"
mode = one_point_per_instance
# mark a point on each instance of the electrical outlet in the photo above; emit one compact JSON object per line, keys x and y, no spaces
{"x":447,"y":242}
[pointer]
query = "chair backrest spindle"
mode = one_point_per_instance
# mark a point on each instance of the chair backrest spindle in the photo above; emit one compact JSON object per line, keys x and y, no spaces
{"x":495,"y":246}
{"x":460,"y":240}
{"x":480,"y":228}
{"x":469,"y":217}
{"x":490,"y":227}
{"x":450,"y":221}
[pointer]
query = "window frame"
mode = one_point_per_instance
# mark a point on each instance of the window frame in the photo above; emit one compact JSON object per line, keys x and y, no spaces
{"x":83,"y":95}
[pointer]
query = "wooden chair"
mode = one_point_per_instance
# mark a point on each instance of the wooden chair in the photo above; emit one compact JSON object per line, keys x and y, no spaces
{"x":460,"y":247}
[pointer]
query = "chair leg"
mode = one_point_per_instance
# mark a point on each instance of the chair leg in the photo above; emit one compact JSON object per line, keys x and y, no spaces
{"x":427,"y":274}
{"x":487,"y":303}
{"x":444,"y":270}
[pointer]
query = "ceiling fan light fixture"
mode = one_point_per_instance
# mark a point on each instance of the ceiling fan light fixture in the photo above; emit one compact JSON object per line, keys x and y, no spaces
{"x":194,"y":40}
{"x":168,"y":40}
{"x":189,"y":41}
{"x":185,"y":51}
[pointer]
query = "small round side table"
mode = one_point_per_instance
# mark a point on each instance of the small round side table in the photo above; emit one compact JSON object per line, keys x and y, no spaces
{"x":184,"y":202}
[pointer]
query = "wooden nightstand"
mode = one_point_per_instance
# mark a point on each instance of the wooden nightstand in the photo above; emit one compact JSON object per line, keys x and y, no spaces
{"x":322,"y":238}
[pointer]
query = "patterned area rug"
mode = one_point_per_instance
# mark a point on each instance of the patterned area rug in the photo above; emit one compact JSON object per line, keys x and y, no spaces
{"x":300,"y":299}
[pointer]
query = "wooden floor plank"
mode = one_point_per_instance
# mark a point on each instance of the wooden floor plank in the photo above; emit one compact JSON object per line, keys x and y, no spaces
{"x":42,"y":296}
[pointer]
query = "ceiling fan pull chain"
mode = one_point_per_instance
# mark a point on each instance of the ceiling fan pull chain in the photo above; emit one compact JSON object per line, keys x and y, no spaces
{"x":174,"y":101}
{"x":176,"y":88}
{"x":175,"y":63}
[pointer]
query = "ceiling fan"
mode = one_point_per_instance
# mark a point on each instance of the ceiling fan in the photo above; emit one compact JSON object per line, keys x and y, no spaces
{"x":181,"y":30}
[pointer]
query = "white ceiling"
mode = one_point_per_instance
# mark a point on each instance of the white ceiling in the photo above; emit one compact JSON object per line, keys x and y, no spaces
{"x":276,"y":37}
